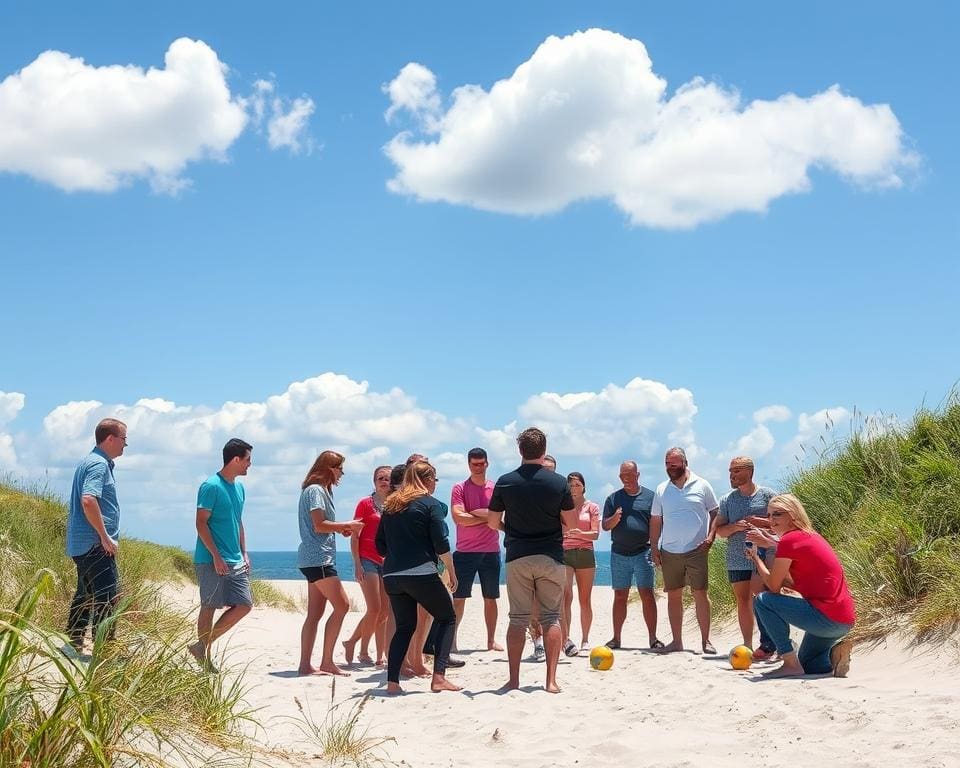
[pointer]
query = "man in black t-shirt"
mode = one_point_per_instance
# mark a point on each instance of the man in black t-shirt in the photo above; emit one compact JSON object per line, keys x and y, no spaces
{"x":531,"y":505}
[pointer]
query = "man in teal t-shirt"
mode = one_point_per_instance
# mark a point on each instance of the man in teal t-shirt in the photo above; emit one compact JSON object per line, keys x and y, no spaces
{"x":220,"y":557}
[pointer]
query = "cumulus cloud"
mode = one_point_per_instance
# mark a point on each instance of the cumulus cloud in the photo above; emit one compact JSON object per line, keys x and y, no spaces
{"x":771,"y":413}
{"x":11,"y":403}
{"x":82,"y":127}
{"x":586,"y":117}
{"x":642,"y":418}
{"x":286,"y":120}
{"x":815,"y":432}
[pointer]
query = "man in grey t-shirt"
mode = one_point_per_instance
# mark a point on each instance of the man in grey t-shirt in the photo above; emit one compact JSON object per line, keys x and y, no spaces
{"x":741,"y":509}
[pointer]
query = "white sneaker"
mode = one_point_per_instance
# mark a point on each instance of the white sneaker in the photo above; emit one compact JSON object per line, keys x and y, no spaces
{"x":539,"y":652}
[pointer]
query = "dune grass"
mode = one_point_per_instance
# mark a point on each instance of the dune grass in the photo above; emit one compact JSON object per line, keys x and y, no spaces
{"x":888,"y":499}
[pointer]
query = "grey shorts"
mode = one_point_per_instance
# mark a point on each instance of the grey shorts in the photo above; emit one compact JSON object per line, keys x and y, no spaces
{"x":218,"y":591}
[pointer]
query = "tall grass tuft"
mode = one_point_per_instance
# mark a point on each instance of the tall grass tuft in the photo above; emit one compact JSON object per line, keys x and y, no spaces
{"x":888,"y":499}
{"x":340,"y":738}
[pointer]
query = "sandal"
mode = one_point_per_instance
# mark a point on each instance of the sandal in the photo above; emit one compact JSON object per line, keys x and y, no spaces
{"x":708,"y":648}
{"x":656,"y":644}
{"x":613,"y":645}
{"x":570,"y":649}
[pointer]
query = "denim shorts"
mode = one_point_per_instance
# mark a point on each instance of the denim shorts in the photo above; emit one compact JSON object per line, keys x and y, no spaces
{"x":628,"y":569}
{"x":368,"y":566}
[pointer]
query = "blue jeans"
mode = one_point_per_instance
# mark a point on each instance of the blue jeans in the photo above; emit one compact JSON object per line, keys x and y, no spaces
{"x":776,"y":613}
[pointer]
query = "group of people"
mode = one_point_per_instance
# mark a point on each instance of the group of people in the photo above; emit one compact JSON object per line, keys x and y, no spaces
{"x":782,"y":573}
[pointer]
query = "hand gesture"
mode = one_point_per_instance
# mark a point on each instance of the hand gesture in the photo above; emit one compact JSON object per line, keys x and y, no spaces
{"x":109,"y":546}
{"x":220,"y":565}
{"x":615,"y":517}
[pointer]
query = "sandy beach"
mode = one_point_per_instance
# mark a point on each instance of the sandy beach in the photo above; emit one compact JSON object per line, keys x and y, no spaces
{"x":898,"y":704}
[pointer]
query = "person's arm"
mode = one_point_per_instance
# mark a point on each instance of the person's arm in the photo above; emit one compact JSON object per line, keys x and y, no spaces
{"x":568,"y":509}
{"x":611,"y":516}
{"x":203,"y":531}
{"x":243,"y":546}
{"x":711,"y":532}
{"x":322,"y":525}
{"x":594,"y":533}
{"x":776,"y":577}
{"x":473,"y":517}
{"x":725,"y":530}
{"x":91,"y":511}
{"x":495,"y":510}
{"x":451,"y":572}
{"x":656,"y":528}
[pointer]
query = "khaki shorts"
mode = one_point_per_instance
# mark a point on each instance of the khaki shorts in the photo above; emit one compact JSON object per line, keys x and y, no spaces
{"x":535,"y":579}
{"x":689,"y":568}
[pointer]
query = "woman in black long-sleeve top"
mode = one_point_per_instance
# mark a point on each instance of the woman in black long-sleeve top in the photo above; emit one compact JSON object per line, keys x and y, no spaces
{"x":411,"y":537}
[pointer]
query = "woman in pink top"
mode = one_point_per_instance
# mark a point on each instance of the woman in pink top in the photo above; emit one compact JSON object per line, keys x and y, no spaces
{"x":368,"y":571}
{"x":808,"y":590}
{"x":581,"y":563}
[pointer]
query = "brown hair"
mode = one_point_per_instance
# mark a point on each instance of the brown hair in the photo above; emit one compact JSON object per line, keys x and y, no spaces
{"x":107,"y":428}
{"x":321,"y":473}
{"x":532,"y":443}
{"x":791,"y":506}
{"x":414,"y":486}
{"x":378,"y":469}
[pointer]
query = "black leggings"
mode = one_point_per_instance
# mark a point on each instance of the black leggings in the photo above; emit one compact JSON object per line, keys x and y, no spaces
{"x":406,"y":592}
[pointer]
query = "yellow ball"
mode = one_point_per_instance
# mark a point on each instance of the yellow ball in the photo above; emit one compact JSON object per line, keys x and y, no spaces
{"x":601,"y":658}
{"x":741,"y":657}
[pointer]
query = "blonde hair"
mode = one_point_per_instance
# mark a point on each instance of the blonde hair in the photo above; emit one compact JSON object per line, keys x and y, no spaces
{"x":413,"y":487}
{"x":790,"y":504}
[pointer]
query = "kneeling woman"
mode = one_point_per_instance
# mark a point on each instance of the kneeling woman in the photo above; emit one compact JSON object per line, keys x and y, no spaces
{"x":411,"y":537}
{"x":806,"y":564}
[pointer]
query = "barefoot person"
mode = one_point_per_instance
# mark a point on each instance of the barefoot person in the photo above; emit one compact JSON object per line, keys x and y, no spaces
{"x":316,"y":559}
{"x":531,"y":505}
{"x":681,"y":533}
{"x":368,"y":571}
{"x":478,"y":547}
{"x":220,"y":556}
{"x":824,"y":609}
{"x":741,"y":510}
{"x":626,"y":514}
{"x":411,"y":537}
{"x":93,"y":533}
{"x":581,"y":564}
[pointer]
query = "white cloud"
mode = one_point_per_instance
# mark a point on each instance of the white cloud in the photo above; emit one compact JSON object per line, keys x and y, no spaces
{"x":756,"y":444}
{"x":11,"y":403}
{"x":415,"y":90}
{"x":586,"y":117}
{"x":771,"y":413}
{"x":286,"y":120}
{"x":816,"y":432}
{"x":641,"y":419}
{"x":82,"y":127}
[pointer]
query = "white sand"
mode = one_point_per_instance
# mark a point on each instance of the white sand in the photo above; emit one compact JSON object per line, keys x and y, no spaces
{"x":897,"y":706}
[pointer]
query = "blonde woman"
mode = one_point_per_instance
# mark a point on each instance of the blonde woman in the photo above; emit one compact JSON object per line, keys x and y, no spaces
{"x":807,"y":565}
{"x":368,"y":572}
{"x":412,"y":537}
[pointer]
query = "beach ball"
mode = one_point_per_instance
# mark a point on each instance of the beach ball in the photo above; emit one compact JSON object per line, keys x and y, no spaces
{"x":601,"y":658}
{"x":741,"y":657}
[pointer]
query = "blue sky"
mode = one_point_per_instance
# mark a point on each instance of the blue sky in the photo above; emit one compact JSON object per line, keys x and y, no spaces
{"x":524,"y":251}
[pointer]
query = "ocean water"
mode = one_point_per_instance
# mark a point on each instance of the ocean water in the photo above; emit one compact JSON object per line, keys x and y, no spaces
{"x":283,"y":565}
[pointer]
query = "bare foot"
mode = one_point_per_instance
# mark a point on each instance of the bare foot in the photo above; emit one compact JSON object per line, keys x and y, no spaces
{"x":197,"y":651}
{"x":510,"y":685}
{"x":364,"y":658}
{"x":552,"y":688}
{"x":440,"y":683}
{"x":494,"y":646}
{"x":331,"y":669}
{"x":393,"y":689}
{"x":785,"y":671}
{"x":673,"y":647}
{"x":381,"y":663}
{"x":348,"y":648}
{"x":311,"y":670}
{"x":840,"y":658}
{"x":407,"y":671}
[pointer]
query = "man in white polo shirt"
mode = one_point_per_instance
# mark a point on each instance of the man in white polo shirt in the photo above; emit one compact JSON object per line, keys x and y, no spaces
{"x":682,"y":530}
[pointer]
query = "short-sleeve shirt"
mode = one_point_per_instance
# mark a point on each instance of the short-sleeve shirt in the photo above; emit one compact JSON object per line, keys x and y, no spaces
{"x":366,"y":541}
{"x":93,"y":477}
{"x":225,"y":502}
{"x":631,"y":536}
{"x":734,"y":507}
{"x":685,"y":512}
{"x":588,"y":515}
{"x":316,"y":549}
{"x":474,"y":538}
{"x":531,"y":498}
{"x":818,"y":575}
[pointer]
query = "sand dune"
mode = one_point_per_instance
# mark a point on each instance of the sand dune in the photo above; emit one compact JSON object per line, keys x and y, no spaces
{"x":898,"y":705}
